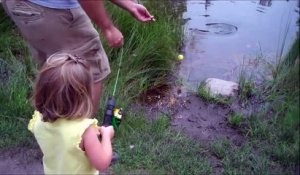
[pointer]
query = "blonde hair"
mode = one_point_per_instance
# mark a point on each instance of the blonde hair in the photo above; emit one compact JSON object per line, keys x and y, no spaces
{"x":63,"y":88}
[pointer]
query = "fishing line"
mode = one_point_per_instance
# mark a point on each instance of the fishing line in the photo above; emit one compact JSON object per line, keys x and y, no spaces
{"x":118,"y":73}
{"x":113,"y":115}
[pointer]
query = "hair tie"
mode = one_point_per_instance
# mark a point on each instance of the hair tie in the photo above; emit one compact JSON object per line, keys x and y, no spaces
{"x":76,"y":58}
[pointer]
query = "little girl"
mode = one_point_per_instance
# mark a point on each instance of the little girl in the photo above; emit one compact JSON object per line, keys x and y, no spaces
{"x":62,"y":123}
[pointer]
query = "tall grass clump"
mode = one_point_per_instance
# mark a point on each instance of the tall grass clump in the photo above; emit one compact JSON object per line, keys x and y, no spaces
{"x":273,"y":127}
{"x":284,"y":95}
{"x":15,"y":108}
{"x":16,"y":70}
{"x":149,"y":51}
{"x":279,"y":126}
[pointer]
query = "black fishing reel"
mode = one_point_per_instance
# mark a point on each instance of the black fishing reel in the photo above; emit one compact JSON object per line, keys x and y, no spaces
{"x":112,"y":115}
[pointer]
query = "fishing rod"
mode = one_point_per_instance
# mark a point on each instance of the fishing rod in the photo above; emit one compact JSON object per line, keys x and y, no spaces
{"x":113,"y":115}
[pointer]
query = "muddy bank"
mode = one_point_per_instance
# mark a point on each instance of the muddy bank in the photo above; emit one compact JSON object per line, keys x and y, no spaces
{"x":201,"y":121}
{"x":204,"y":122}
{"x":192,"y":116}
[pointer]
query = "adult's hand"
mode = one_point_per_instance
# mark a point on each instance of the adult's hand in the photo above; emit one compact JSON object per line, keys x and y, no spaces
{"x":113,"y":36}
{"x":140,"y":13}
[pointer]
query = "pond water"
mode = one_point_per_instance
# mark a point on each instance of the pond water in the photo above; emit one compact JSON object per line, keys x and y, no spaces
{"x":223,"y":36}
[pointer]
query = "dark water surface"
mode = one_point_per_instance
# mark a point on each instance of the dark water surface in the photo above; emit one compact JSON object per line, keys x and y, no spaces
{"x":220,"y":36}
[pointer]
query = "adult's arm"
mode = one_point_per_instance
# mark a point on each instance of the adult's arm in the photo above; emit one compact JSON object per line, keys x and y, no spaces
{"x":97,"y":13}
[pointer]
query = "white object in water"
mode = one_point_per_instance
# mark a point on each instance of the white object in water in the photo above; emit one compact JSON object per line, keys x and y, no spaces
{"x":221,"y":87}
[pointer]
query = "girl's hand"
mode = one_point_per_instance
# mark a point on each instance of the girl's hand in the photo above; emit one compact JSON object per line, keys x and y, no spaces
{"x":113,"y":36}
{"x":107,"y":132}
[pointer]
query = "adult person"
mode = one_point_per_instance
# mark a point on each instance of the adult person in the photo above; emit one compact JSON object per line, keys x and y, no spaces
{"x":51,"y":26}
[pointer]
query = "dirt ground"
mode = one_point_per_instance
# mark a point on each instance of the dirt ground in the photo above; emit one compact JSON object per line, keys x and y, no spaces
{"x":21,"y":161}
{"x":190,"y":115}
{"x":197,"y":119}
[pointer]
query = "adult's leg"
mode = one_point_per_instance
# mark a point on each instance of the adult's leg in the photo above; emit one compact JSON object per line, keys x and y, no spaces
{"x":97,"y":93}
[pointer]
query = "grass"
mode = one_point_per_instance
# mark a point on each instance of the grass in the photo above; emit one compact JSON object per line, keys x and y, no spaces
{"x":246,"y":87}
{"x":239,"y":159}
{"x":243,"y":160}
{"x":274,"y":130}
{"x":258,"y":128}
{"x":16,"y":70}
{"x":284,"y":97}
{"x":220,"y":147}
{"x":157,"y":149}
{"x":15,"y":107}
{"x":235,"y":119}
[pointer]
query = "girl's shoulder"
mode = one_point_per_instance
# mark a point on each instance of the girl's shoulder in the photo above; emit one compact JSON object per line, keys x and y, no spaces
{"x":60,"y":123}
{"x":35,"y":117}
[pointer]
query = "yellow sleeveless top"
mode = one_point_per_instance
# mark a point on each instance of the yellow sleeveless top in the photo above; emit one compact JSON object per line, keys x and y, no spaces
{"x":59,"y":142}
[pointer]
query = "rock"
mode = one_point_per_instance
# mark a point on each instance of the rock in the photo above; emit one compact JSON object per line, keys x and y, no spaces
{"x":221,"y":87}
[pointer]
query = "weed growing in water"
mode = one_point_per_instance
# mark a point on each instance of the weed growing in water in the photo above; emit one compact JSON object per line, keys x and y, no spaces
{"x":246,"y":85}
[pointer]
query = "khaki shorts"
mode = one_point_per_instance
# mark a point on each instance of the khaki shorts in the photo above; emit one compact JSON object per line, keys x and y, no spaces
{"x":48,"y":31}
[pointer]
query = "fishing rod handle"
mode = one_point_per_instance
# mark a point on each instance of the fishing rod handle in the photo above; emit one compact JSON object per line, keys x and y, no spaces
{"x":108,"y":114}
